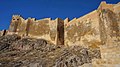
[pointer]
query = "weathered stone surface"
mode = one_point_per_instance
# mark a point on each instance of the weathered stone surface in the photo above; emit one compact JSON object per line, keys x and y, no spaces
{"x":52,"y":30}
{"x":83,"y":30}
{"x":90,"y":30}
{"x":4,"y":46}
{"x":82,"y":37}
{"x":38,"y":52}
{"x":109,"y":29}
{"x":29,"y":44}
{"x":9,"y":38}
{"x":3,"y":32}
{"x":86,"y":65}
{"x":6,"y":41}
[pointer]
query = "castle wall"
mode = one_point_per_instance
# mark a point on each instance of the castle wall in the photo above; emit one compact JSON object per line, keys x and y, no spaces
{"x":117,"y":11}
{"x":83,"y":31}
{"x":41,"y":29}
{"x":109,"y":26}
{"x":51,"y":30}
{"x":91,"y":30}
{"x":22,"y":28}
{"x":38,"y":28}
{"x":110,"y":36}
{"x":99,"y":28}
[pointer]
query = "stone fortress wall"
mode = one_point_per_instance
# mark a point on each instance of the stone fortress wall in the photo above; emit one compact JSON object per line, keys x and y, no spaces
{"x":97,"y":29}
{"x":45,"y":28}
{"x":87,"y":29}
{"x":90,"y":30}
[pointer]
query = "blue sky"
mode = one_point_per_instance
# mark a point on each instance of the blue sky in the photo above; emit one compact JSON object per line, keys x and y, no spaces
{"x":46,"y":8}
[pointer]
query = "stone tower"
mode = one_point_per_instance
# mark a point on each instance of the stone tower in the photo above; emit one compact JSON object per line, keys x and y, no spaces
{"x":14,"y":23}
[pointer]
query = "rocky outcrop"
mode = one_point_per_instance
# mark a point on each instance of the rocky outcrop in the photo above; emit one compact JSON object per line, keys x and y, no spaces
{"x":19,"y":52}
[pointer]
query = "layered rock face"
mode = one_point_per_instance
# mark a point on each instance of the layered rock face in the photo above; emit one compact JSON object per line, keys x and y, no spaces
{"x":16,"y":51}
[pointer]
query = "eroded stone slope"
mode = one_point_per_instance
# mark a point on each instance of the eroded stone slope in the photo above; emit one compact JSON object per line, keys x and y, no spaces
{"x":28,"y":52}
